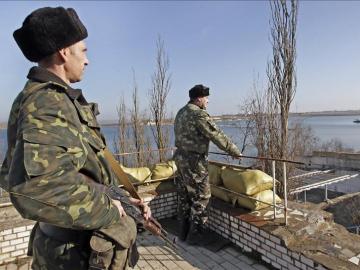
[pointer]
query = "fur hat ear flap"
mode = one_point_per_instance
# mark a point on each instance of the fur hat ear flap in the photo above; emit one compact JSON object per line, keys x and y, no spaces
{"x":47,"y":30}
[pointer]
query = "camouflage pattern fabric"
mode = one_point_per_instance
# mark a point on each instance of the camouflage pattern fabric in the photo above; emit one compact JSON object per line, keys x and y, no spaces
{"x":194,"y":130}
{"x":113,"y":250}
{"x":54,"y":147}
{"x":50,"y":254}
{"x":193,"y":187}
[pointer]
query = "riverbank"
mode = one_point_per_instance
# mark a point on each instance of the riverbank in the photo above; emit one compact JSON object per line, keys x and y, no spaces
{"x":328,"y":113}
{"x":234,"y":117}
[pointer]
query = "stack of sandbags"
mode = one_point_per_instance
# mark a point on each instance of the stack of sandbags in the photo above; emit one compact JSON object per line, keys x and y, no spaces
{"x":137,"y":175}
{"x":253,"y":183}
{"x":215,"y":174}
{"x":221,"y":194}
{"x":163,"y":170}
{"x":263,"y":196}
{"x":246,"y":181}
{"x":216,"y":182}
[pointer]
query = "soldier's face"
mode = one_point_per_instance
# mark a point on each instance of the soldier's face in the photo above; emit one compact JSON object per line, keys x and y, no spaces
{"x":203,"y":102}
{"x":76,"y":61}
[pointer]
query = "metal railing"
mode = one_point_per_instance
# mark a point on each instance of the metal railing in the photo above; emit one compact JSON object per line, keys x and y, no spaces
{"x":273,"y":161}
{"x":146,"y":157}
{"x":171,"y":149}
{"x":275,"y":206}
{"x":324,"y":183}
{"x":273,"y":171}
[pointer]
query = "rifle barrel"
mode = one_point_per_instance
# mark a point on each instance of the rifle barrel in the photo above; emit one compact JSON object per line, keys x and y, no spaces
{"x":168,"y":242}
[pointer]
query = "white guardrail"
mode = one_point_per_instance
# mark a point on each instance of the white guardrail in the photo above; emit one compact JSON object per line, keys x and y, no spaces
{"x":273,"y":169}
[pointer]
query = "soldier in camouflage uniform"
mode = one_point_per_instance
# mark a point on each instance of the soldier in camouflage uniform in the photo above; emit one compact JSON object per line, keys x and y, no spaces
{"x":55,"y":170}
{"x":194,"y":130}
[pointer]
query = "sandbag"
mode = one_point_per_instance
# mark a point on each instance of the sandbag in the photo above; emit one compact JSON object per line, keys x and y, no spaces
{"x":265,"y":196}
{"x":220,"y":193}
{"x":163,"y":170}
{"x":245,"y":181}
{"x":215,"y":174}
{"x":137,"y":175}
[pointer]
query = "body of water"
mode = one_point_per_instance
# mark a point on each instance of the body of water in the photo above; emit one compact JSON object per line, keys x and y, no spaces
{"x":335,"y":127}
{"x":324,"y":127}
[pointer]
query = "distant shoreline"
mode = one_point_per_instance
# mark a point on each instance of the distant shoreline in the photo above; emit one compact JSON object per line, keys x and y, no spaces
{"x":328,"y":113}
{"x":240,"y":116}
{"x":107,"y":123}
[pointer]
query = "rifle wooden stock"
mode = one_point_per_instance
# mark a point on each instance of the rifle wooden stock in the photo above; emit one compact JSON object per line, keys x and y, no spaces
{"x":121,"y":175}
{"x":152,"y":225}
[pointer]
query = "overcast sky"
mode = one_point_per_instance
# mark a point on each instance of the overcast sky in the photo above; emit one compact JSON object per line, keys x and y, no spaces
{"x":224,"y":45}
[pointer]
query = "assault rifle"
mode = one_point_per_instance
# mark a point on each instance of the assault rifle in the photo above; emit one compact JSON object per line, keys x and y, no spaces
{"x":152,"y":225}
{"x":116,"y":193}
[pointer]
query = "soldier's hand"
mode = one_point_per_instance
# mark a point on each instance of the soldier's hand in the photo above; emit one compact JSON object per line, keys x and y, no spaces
{"x":119,"y":207}
{"x":145,"y":208}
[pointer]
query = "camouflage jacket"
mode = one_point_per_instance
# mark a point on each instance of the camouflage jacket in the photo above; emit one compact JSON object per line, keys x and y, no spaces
{"x":55,"y":162}
{"x":194,"y":130}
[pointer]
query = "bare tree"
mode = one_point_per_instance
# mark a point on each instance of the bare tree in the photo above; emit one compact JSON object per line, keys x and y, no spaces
{"x":161,"y":84}
{"x":265,"y":131}
{"x":267,"y":128}
{"x":251,"y":112}
{"x":245,"y":127}
{"x":281,"y":70}
{"x":121,"y":143}
{"x":334,"y":145}
{"x":302,"y":140}
{"x":137,"y":124}
{"x":270,"y":108}
{"x":132,"y":143}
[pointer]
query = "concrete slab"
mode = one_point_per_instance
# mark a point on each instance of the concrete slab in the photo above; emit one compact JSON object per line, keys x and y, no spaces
{"x":190,"y":257}
{"x":154,"y":254}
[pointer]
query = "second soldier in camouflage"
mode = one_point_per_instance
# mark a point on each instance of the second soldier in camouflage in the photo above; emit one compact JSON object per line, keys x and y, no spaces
{"x":194,"y":129}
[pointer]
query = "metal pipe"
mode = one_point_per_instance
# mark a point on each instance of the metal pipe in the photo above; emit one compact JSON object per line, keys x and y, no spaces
{"x":326,"y":192}
{"x":304,"y":196}
{"x":261,"y":158}
{"x":246,"y":196}
{"x":6,"y":204}
{"x":323,"y":183}
{"x":310,"y":174}
{"x":274,"y":186}
{"x":228,"y":164}
{"x":148,"y":151}
{"x":285,"y":192}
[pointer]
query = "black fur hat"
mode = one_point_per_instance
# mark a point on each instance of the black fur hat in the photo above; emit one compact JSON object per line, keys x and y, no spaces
{"x":199,"y":90}
{"x":47,"y":30}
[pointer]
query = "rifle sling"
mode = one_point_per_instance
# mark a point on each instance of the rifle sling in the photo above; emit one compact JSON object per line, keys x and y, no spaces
{"x":121,"y":175}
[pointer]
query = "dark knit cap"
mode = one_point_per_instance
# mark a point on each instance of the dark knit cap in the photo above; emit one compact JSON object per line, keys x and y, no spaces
{"x":199,"y":90}
{"x":47,"y":30}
